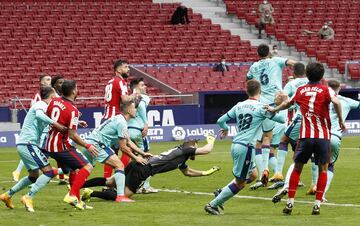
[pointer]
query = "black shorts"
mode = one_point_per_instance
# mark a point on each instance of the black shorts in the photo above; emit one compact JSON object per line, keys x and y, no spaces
{"x":136,"y":174}
{"x":308,"y":146}
{"x":72,"y":159}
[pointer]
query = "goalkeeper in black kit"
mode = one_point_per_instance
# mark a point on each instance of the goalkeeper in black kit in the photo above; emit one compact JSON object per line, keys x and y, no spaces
{"x":166,"y":161}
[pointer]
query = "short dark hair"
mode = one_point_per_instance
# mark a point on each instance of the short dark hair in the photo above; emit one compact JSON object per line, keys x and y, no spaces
{"x":315,"y":71}
{"x":189,"y":143}
{"x":263,"y":50}
{"x":135,"y":82}
{"x":125,"y":105}
{"x":46,"y":91}
{"x":252,"y":87}
{"x":299,"y":69}
{"x":55,"y":79}
{"x":334,"y":84}
{"x":68,"y":87}
{"x":118,"y":63}
{"x":42,"y":76}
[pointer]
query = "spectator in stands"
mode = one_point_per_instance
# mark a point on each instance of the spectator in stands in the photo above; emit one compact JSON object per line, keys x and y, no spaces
{"x":56,"y":83}
{"x":266,"y":6}
{"x":325,"y":32}
{"x":221,"y":67}
{"x":180,"y":16}
{"x":274,"y":52}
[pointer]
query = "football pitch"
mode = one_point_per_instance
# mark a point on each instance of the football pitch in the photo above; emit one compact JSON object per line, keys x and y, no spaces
{"x":182,"y":199}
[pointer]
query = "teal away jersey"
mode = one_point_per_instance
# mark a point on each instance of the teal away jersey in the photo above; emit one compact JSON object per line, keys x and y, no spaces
{"x":141,"y":118}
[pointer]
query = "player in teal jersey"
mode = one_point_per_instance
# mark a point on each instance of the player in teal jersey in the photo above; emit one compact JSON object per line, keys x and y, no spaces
{"x":34,"y":123}
{"x":268,"y":71}
{"x":249,"y":116}
{"x":347,"y":105}
{"x":138,"y":126}
{"x":115,"y":131}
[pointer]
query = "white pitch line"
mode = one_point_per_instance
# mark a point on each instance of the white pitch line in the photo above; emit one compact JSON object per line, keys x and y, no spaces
{"x":258,"y":198}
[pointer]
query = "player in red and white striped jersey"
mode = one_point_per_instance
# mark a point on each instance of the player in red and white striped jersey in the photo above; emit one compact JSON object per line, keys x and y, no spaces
{"x":116,"y":91}
{"x":62,"y":110}
{"x":313,"y":99}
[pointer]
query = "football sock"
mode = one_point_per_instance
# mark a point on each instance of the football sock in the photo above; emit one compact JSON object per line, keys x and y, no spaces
{"x":97,"y":181}
{"x":330,"y":175}
{"x":21,"y":184}
{"x":72,"y":177}
{"x":125,"y":159}
{"x":258,"y":161}
{"x":265,"y":157}
{"x":147,"y":183}
{"x":20,"y":166}
{"x":314,"y":173}
{"x":79,"y":180}
{"x":281,"y":156}
{"x":320,"y":187}
{"x":107,"y":171}
{"x":288,"y":174}
{"x":294,"y":181}
{"x":107,"y":195}
{"x":119,"y":177}
{"x":61,"y":175}
{"x":41,"y":182}
{"x":272,"y":162}
{"x":226,"y":193}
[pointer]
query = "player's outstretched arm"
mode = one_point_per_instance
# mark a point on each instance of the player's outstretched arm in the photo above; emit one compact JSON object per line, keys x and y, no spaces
{"x":198,"y":173}
{"x":40,"y":115}
{"x":206,"y":149}
{"x":337,"y":107}
{"x":77,"y":139}
{"x":290,"y":62}
{"x":123,"y":143}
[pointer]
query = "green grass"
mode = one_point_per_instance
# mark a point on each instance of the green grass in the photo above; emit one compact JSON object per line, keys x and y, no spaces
{"x":187,"y":209}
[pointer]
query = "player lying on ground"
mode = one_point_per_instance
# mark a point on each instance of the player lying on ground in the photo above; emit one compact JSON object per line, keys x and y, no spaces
{"x":347,"y":104}
{"x":313,"y":99}
{"x":249,"y":116}
{"x":137,"y":173}
{"x":115,"y":131}
{"x":28,"y":149}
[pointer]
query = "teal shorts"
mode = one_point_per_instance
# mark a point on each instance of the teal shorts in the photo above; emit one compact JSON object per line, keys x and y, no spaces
{"x":242,"y":156}
{"x":104,"y":152}
{"x":277,"y":133}
{"x":268,"y":125}
{"x":32,"y":157}
{"x":136,"y":137}
{"x":335,"y":143}
{"x":293,"y":130}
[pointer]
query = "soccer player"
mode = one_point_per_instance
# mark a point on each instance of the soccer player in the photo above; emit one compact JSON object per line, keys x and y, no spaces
{"x":116,"y":92}
{"x":30,"y":153}
{"x":268,"y":71}
{"x":115,"y":130}
{"x":249,"y":116}
{"x":172,"y":159}
{"x":45,"y":80}
{"x":58,"y":145}
{"x":56,"y":83}
{"x":138,"y":126}
{"x":313,"y":100}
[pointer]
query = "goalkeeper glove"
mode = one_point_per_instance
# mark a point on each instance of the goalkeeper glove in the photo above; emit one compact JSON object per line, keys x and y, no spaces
{"x":210,"y":138}
{"x":210,"y":171}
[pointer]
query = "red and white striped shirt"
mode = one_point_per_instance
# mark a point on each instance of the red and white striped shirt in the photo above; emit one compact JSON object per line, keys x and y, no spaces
{"x":314,"y":100}
{"x":64,"y":112}
{"x":115,"y":88}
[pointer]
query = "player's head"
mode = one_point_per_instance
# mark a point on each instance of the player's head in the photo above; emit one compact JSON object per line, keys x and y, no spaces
{"x":299,"y":70}
{"x":315,"y":71}
{"x":45,"y":80}
{"x":47,"y":92}
{"x":121,"y":67}
{"x":69,"y":89}
{"x":56,"y":83}
{"x":223,"y":59}
{"x":253,"y":88}
{"x":128,"y":108}
{"x":263,"y":50}
{"x":190,"y":143}
{"x":280,"y":97}
{"x":334,"y":84}
{"x":138,"y":85}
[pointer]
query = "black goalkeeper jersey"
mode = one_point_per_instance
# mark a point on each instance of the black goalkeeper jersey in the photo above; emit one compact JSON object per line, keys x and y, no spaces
{"x":171,"y":159}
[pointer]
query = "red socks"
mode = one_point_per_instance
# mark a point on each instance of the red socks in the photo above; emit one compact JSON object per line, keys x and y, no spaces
{"x":107,"y":171}
{"x":293,"y":183}
{"x":125,"y":159}
{"x":61,"y":176}
{"x":321,"y":184}
{"x":78,"y":182}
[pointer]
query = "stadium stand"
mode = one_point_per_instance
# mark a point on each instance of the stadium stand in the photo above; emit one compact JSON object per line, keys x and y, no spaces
{"x":81,"y":39}
{"x":292,"y":17}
